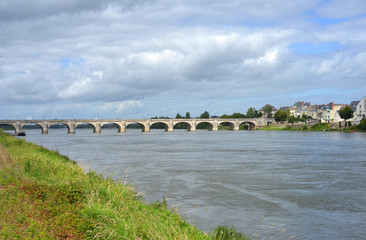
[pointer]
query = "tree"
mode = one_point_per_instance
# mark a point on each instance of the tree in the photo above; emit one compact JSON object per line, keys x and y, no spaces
{"x":188,"y":115}
{"x":178,"y":116}
{"x":362,"y":125}
{"x":346,"y":113}
{"x":253,"y":113}
{"x":292,"y":119}
{"x":280,"y":116}
{"x":205,"y":115}
{"x":238,"y":115}
{"x":268,"y":109}
{"x":225,"y":116}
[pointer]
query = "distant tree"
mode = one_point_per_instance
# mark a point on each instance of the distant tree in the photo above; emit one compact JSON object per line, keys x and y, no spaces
{"x":238,"y":115}
{"x":225,"y":116}
{"x":205,"y":115}
{"x":268,"y":109}
{"x":305,"y":117}
{"x":188,"y":115}
{"x":362,"y":125}
{"x":346,"y":113}
{"x":292,"y":119}
{"x":280,"y":116}
{"x":253,"y":113}
{"x":178,"y":116}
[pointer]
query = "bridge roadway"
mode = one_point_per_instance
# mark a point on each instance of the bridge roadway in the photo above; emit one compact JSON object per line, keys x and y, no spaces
{"x":145,"y":124}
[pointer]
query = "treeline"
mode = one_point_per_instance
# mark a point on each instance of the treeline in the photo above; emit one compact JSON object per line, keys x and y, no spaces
{"x":251,"y":113}
{"x":281,"y":116}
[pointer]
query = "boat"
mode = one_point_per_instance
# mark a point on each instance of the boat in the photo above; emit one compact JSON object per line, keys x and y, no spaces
{"x":20,"y":133}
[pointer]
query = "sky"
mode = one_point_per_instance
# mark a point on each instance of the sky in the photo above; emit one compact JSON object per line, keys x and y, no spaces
{"x":144,"y":58}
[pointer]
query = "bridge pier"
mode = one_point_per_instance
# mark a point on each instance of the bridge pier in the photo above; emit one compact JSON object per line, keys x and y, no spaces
{"x":192,"y":128}
{"x":169,"y":127}
{"x":97,"y":128}
{"x":71,"y":127}
{"x":146,"y":128}
{"x":122,"y":127}
{"x":44,"y":127}
{"x":17,"y":127}
{"x":236,"y":126}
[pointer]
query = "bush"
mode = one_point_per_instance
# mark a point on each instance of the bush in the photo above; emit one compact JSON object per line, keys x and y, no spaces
{"x":228,"y":233}
{"x":362,"y":125}
{"x":320,"y":127}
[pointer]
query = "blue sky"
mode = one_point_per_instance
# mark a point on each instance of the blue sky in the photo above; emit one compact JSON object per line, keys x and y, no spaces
{"x":142,"y":58}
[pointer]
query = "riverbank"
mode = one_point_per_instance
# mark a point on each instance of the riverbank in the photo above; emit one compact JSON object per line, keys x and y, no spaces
{"x":44,"y":195}
{"x":317,"y":127}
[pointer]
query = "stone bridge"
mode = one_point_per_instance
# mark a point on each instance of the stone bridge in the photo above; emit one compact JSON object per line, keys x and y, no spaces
{"x":145,"y":124}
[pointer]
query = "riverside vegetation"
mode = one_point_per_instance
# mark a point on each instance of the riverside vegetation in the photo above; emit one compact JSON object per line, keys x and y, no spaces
{"x":44,"y":195}
{"x":361,"y":127}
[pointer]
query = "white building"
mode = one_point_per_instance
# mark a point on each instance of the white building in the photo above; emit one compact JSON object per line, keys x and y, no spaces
{"x":360,"y":111}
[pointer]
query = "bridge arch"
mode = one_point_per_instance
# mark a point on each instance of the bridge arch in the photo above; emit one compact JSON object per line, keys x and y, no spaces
{"x":159,"y":125}
{"x":44,"y":128}
{"x":205,"y":125}
{"x":227,"y":123}
{"x":141,"y":125}
{"x":188,"y":125}
{"x":60,"y":124}
{"x":5,"y":126}
{"x":119,"y":126}
{"x":250,"y":125}
{"x":85,"y":125}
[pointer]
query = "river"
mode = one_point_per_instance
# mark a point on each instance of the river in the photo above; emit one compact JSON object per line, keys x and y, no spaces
{"x":276,"y":184}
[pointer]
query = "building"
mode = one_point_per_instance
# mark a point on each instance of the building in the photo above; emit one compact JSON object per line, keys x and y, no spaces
{"x":360,"y":111}
{"x":300,"y":109}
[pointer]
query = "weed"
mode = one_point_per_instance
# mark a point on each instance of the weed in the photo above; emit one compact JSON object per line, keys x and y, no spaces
{"x":228,"y":233}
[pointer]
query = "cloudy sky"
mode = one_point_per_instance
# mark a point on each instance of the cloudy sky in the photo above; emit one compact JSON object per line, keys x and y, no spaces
{"x":146,"y":58}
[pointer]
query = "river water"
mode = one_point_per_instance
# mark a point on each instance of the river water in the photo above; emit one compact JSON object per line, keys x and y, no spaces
{"x":275,"y":184}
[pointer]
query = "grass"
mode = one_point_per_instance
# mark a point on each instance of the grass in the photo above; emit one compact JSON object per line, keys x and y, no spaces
{"x":276,"y":127}
{"x":315,"y":127}
{"x":44,"y":195}
{"x":228,"y":233}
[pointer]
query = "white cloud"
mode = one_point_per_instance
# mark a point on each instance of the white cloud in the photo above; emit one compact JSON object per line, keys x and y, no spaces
{"x":128,"y":53}
{"x":343,"y":9}
{"x":121,"y":107}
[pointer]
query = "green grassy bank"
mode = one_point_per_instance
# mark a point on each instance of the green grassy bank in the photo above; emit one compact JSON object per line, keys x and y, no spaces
{"x":44,"y":195}
{"x":361,"y":127}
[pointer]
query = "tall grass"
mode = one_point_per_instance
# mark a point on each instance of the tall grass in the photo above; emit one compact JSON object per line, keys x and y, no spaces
{"x":44,"y":195}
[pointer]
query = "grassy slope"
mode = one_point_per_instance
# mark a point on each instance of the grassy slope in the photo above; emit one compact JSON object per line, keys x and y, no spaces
{"x":44,"y":195}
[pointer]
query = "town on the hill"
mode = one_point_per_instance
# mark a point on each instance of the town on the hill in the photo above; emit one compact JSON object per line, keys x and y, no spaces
{"x":325,"y":113}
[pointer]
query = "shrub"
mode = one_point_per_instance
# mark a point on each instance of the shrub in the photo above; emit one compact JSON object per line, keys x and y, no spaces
{"x":362,"y":125}
{"x":228,"y":233}
{"x":320,"y":127}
